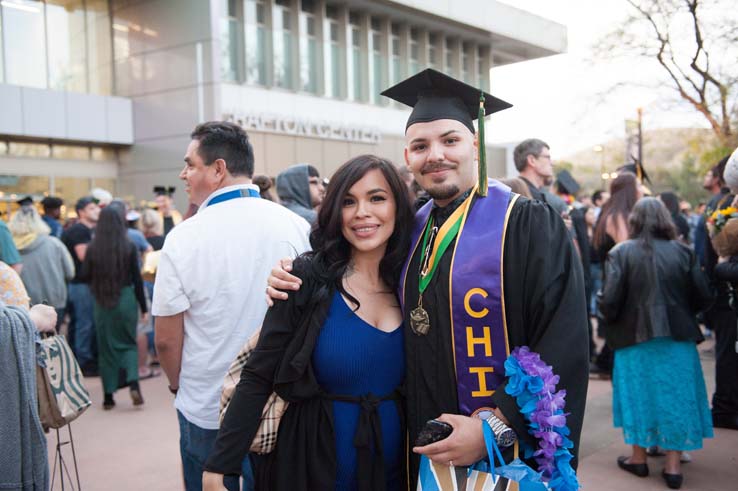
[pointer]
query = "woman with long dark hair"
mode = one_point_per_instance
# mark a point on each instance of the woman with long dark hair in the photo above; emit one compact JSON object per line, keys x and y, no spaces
{"x":612,"y":224}
{"x":111,"y":268}
{"x":653,"y":290}
{"x":612,"y":228}
{"x":334,"y":350}
{"x":671,"y":201}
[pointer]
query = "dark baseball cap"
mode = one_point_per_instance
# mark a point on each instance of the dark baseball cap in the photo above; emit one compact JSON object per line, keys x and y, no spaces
{"x":83,"y":202}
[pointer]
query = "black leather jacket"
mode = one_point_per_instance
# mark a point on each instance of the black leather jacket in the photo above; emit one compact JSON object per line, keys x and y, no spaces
{"x":650,"y":294}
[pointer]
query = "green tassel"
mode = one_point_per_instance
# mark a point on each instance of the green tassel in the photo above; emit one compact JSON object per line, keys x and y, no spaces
{"x":482,"y":170}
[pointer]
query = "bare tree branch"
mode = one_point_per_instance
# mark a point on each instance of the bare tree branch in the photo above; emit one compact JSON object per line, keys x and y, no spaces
{"x":683,"y":53}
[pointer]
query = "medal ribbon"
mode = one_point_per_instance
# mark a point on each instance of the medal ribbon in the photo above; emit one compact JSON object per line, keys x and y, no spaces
{"x":446,"y":234}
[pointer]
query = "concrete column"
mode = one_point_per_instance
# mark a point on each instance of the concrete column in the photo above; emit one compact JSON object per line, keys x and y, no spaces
{"x":295,"y":28}
{"x":343,"y":38}
{"x":269,"y":44}
{"x":404,"y":51}
{"x":456,"y":46}
{"x":322,"y":38}
{"x":386,"y":52}
{"x":423,"y":49}
{"x":367,"y":73}
{"x":484,"y":58}
{"x":472,"y":58}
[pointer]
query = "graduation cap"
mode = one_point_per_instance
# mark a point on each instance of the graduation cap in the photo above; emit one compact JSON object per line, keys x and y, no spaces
{"x":434,"y":95}
{"x":164,"y":191}
{"x":636,"y":168}
{"x":25,"y":201}
{"x":567,"y":183}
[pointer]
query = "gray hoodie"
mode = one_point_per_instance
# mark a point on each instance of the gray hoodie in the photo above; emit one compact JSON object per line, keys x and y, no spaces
{"x":47,"y":266}
{"x":293,"y":189}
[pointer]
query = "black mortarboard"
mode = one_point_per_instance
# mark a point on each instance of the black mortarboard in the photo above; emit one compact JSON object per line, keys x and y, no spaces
{"x":164,"y":191}
{"x":25,"y":201}
{"x":636,"y":168}
{"x":434,"y":95}
{"x":567,"y":183}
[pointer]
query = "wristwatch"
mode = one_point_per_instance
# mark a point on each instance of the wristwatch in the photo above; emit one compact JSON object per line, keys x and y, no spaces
{"x":504,"y":435}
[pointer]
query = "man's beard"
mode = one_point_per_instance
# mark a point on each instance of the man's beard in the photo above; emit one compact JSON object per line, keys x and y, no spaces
{"x":443,"y":192}
{"x":548,"y":180}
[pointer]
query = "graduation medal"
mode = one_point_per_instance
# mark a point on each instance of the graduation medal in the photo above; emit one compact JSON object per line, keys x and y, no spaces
{"x":419,"y":321}
{"x":435,"y":243}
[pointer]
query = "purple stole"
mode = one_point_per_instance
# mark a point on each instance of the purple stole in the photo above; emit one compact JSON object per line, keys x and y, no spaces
{"x":477,"y":323}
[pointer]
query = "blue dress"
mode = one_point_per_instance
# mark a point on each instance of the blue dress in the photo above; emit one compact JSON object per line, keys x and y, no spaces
{"x":353,"y":358}
{"x":659,"y":395}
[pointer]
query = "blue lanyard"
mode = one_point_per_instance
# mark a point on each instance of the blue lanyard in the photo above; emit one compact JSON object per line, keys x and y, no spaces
{"x":236,"y":193}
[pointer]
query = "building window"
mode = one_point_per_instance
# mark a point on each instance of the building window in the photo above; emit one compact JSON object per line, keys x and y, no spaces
{"x":378,"y":62}
{"x":482,"y":71}
{"x":99,"y":48}
{"x":65,"y":29}
{"x":22,"y":149}
{"x":230,"y":26}
{"x":308,"y":48}
{"x":414,"y":51}
{"x":396,"y":54}
{"x":434,"y":58}
{"x":71,"y":188}
{"x":356,"y":59}
{"x":333,"y":63}
{"x":256,"y":42}
{"x":70,"y":152}
{"x":25,"y":54}
{"x":282,"y":27}
{"x":57,"y":44}
{"x":448,"y":55}
{"x":466,"y":63}
{"x":103,"y":153}
{"x":57,"y":151}
{"x":14,"y":187}
{"x":2,"y":57}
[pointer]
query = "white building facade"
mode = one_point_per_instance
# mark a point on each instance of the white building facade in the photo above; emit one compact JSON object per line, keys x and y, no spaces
{"x":104,"y":93}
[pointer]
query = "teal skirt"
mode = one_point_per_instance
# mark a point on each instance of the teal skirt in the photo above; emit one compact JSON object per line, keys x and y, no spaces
{"x":116,"y":341}
{"x":659,"y":395}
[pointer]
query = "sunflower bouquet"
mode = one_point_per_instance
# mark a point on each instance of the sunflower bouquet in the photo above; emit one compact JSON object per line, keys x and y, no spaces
{"x":723,"y":228}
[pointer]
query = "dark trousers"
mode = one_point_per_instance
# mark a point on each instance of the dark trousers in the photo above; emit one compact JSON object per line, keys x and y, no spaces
{"x":83,"y":326}
{"x":195,"y":445}
{"x":724,"y":324}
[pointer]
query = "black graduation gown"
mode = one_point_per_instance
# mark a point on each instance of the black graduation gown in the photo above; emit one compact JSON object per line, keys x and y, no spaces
{"x":545,"y":309}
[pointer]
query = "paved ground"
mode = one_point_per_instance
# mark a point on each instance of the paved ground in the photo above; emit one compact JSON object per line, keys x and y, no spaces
{"x":137,"y":449}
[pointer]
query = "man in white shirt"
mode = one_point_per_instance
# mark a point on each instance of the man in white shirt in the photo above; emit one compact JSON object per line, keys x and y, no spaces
{"x":209,"y":290}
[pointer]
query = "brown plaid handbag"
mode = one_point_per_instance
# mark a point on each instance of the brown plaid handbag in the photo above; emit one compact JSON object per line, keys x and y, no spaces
{"x":266,"y":436}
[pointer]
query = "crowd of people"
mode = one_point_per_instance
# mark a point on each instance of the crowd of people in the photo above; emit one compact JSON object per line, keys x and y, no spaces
{"x":398,"y":295}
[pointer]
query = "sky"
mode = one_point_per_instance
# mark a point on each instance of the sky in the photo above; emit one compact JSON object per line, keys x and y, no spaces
{"x":567,"y":100}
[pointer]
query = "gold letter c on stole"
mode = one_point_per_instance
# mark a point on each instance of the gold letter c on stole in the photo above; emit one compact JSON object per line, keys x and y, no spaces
{"x":467,"y":307}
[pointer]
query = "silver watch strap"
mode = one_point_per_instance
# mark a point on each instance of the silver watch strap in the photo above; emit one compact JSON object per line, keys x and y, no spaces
{"x":504,"y":435}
